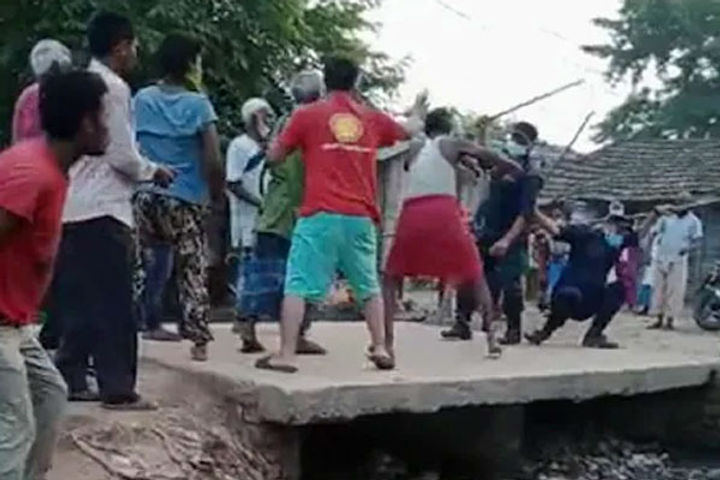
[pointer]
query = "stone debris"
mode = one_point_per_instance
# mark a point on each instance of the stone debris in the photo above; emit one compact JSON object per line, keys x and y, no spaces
{"x":610,"y":459}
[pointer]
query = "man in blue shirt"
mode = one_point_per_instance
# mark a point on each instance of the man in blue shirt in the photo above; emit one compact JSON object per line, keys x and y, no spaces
{"x":583,"y":291}
{"x":500,"y":226}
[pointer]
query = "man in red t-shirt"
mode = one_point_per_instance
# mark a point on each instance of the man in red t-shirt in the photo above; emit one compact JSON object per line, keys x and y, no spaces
{"x":339,"y":139}
{"x":33,"y":184}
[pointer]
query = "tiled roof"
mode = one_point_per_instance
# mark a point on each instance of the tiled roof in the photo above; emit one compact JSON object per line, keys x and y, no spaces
{"x":649,"y":170}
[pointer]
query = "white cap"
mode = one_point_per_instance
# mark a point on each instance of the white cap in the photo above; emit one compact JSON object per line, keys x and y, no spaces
{"x":253,"y":106}
{"x":46,"y":53}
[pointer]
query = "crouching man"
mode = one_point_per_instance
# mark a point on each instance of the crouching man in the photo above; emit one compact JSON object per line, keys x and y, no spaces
{"x":583,"y":291}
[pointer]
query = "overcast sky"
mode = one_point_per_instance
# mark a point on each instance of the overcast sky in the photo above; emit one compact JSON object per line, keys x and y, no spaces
{"x":487,"y":55}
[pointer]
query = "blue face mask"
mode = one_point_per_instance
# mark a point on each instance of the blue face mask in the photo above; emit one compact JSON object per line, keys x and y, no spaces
{"x":615,"y":240}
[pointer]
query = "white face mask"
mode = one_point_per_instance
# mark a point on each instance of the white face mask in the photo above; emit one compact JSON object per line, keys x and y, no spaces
{"x":515,"y":150}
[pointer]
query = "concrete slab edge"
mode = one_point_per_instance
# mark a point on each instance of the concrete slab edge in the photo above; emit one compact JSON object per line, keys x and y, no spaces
{"x":268,"y":403}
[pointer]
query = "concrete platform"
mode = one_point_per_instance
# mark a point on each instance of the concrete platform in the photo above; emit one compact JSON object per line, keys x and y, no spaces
{"x":433,"y":375}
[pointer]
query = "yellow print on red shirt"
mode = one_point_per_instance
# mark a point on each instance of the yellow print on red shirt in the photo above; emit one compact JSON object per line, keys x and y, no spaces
{"x":346,"y":127}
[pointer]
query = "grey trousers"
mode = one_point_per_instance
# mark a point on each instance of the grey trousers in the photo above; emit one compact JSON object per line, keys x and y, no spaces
{"x":33,"y":397}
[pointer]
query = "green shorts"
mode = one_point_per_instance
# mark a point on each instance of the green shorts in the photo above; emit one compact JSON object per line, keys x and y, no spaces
{"x":326,"y":243}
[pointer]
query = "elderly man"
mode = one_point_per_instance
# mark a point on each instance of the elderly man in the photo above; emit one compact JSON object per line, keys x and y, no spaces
{"x":264,"y":276}
{"x":245,"y":161}
{"x":47,"y":55}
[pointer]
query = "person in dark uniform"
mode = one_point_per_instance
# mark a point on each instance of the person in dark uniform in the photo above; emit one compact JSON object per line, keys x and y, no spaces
{"x":500,"y":225}
{"x":583,"y":291}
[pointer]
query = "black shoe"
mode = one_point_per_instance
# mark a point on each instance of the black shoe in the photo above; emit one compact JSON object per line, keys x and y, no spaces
{"x":512,"y":337}
{"x":537,"y":338}
{"x":656,"y":326}
{"x":599,"y":341}
{"x":134,"y":403}
{"x":459,"y":331}
{"x":84,"y":396}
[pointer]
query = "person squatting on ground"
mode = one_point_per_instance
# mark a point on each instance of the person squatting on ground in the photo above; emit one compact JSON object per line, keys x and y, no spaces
{"x":175,"y":124}
{"x":33,"y":185}
{"x":46,"y":56}
{"x":501,"y":230}
{"x":678,"y":233}
{"x":264,"y":274}
{"x":338,"y":138}
{"x":94,"y":284}
{"x":583,"y":290}
{"x":432,"y":238}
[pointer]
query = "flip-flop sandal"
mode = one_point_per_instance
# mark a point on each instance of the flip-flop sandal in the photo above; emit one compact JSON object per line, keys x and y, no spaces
{"x":308,"y":347}
{"x":265,"y":363}
{"x":381,"y":362}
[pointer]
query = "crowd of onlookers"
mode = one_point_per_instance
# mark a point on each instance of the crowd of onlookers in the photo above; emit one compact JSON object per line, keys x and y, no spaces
{"x":105,"y":199}
{"x":106,"y":195}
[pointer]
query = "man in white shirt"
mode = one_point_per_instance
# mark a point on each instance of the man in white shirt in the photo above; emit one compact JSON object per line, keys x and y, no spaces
{"x":678,"y":233}
{"x":245,"y":162}
{"x":244,"y":169}
{"x":94,"y":271}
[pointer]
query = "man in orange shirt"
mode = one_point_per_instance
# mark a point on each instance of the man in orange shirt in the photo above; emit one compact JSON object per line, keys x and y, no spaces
{"x":33,"y":186}
{"x":339,"y":139}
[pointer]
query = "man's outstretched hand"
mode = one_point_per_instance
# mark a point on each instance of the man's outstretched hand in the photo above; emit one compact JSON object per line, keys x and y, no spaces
{"x":421,"y":106}
{"x":164,"y":176}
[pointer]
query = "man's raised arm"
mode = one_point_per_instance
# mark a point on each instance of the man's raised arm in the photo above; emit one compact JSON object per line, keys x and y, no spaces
{"x":456,"y":151}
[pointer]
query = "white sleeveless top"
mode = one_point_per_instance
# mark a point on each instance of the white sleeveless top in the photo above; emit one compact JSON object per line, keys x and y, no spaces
{"x":431,"y":173}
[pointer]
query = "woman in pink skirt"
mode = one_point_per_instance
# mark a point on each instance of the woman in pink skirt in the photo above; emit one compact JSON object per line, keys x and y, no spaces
{"x":432,"y":237}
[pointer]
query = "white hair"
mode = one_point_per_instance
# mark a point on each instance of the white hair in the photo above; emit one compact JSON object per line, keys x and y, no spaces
{"x":47,"y":53}
{"x":253,"y":106}
{"x":307,"y":86}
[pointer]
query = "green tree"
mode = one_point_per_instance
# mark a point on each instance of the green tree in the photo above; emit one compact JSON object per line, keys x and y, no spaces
{"x":251,"y":47}
{"x":676,"y":40}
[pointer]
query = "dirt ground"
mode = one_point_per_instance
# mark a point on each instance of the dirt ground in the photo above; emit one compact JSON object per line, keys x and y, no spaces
{"x":70,"y":462}
{"x":191,"y":437}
